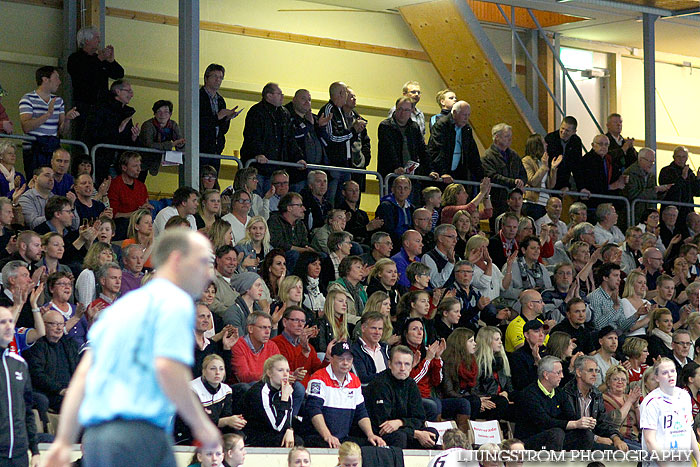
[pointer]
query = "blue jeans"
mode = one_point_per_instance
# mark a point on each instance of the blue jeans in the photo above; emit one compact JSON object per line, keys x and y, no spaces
{"x":448,"y":408}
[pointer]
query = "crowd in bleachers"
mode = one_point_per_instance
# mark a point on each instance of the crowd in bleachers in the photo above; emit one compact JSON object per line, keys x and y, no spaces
{"x":323,"y":325}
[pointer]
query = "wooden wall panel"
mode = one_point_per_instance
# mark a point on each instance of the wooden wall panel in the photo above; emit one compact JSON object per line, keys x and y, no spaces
{"x":457,"y":56}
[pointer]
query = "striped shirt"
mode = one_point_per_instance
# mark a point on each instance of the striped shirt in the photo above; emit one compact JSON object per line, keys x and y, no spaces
{"x":341,"y":404}
{"x":32,"y":104}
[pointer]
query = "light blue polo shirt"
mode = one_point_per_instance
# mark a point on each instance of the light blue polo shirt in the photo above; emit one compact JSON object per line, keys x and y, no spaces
{"x":154,"y":321}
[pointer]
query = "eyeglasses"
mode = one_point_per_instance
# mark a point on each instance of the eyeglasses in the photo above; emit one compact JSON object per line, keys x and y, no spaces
{"x":208,"y":177}
{"x":296,"y":320}
{"x":684,"y":344}
{"x":244,"y":201}
{"x":63,"y":284}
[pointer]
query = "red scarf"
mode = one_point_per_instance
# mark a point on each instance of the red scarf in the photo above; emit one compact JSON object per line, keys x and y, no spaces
{"x":507,"y":251}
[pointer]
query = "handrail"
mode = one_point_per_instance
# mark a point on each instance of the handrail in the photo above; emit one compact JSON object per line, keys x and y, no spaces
{"x":154,"y":151}
{"x":663,"y":201}
{"x":527,"y":188}
{"x":379,"y":176}
{"x":71,"y":142}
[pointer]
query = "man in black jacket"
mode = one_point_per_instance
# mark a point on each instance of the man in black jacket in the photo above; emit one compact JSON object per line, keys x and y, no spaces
{"x":574,"y":326}
{"x":341,"y":132}
{"x":400,"y":141}
{"x":90,"y":69}
{"x":598,"y":174}
{"x":503,"y":166}
{"x":214,"y":117}
{"x":686,"y":184}
{"x":546,"y":418}
{"x":360,"y":145}
{"x":52,"y":360}
{"x":268,"y":135}
{"x":19,"y":428}
{"x":583,"y":393}
{"x":621,"y":149}
{"x":524,"y":360}
{"x":111,"y":123}
{"x":310,"y":135}
{"x":370,"y":356}
{"x":451,"y":159}
{"x":566,"y":142}
{"x":395,"y":406}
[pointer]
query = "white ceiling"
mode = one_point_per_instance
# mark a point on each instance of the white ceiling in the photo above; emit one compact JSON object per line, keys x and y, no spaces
{"x":615,"y":25}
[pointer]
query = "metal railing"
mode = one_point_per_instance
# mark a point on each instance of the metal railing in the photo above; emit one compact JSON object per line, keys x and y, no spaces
{"x":30,"y":138}
{"x":382,"y":191}
{"x":665,"y":202}
{"x":391,"y":176}
{"x":155,"y":151}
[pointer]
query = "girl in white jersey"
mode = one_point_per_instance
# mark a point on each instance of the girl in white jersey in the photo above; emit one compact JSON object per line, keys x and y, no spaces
{"x":666,"y":416}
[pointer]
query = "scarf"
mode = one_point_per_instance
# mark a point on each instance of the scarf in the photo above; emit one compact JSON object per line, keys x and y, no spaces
{"x":9,"y":176}
{"x":534,"y":274}
{"x":314,"y":300}
{"x":508,"y":247}
{"x":165,"y":133}
{"x":666,"y":338}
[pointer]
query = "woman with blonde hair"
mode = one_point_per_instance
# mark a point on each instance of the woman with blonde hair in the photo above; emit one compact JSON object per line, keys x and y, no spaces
{"x":539,"y":175}
{"x":384,"y":278}
{"x":291,"y":293}
{"x":349,"y":455}
{"x":379,"y":301}
{"x":215,"y":396}
{"x":299,"y":456}
{"x":462,"y":222}
{"x":334,"y":322}
{"x":219,"y":233}
{"x":234,"y":447}
{"x":624,"y":402}
{"x":493,"y":383}
{"x":649,"y":383}
{"x":636,"y":351}
{"x":633,"y":300}
{"x":255,"y":244}
{"x":488,"y":279}
{"x":98,"y":254}
{"x":209,"y":209}
{"x":455,"y":197}
{"x":660,"y":334}
{"x":140,"y":231}
{"x":268,"y":407}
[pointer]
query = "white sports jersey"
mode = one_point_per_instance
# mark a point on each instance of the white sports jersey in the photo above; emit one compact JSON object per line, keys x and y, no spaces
{"x":672,"y":418}
{"x":453,"y":457}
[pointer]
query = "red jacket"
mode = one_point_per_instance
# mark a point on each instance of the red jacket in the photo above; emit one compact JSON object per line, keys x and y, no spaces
{"x":427,"y":375}
{"x":123,"y":198}
{"x":247,"y":366}
{"x":296,"y":359}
